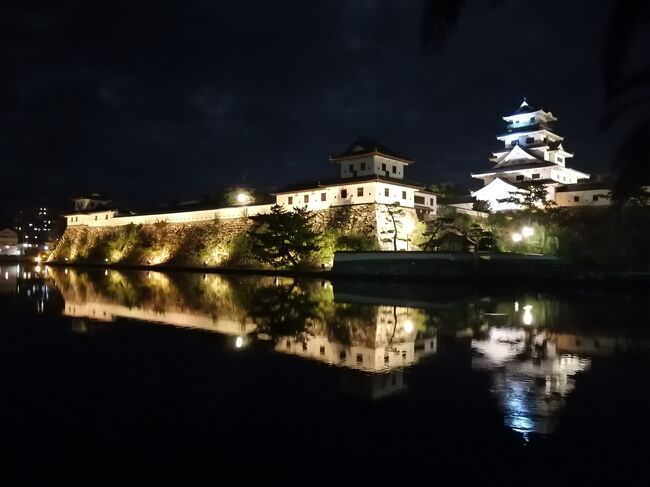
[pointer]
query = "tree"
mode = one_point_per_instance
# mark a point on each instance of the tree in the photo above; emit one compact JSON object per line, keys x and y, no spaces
{"x":284,"y":309}
{"x":474,"y":234}
{"x":532,"y":198}
{"x":629,"y":193}
{"x":487,"y":241}
{"x":482,"y":206}
{"x":394,"y":223}
{"x":283,"y":239}
{"x":433,"y":232}
{"x":445,"y":189}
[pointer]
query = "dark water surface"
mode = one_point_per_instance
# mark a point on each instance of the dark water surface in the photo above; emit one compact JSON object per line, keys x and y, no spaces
{"x":297,"y":381}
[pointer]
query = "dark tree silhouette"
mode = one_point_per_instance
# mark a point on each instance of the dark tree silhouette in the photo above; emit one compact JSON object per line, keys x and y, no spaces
{"x":281,"y":238}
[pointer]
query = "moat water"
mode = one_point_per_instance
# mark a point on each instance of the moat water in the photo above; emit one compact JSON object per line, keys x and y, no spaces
{"x":313,"y":382}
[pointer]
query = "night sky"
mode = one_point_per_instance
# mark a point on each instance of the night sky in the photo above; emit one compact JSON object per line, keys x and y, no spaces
{"x":156,"y":101}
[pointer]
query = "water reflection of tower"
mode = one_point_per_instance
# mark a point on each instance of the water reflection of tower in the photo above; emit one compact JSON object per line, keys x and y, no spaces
{"x":529,"y":378}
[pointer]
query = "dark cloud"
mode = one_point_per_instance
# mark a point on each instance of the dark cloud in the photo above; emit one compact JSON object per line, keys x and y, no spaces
{"x":150,"y":101}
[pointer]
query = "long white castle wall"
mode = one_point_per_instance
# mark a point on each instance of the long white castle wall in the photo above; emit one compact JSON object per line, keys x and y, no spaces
{"x":108,"y":219}
{"x":186,"y":319}
{"x":314,"y":199}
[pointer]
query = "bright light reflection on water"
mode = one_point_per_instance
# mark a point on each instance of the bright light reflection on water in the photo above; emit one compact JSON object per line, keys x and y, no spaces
{"x":373,"y":336}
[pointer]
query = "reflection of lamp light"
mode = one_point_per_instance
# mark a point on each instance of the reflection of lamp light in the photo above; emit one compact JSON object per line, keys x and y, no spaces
{"x":239,"y":342}
{"x":528,"y":316}
{"x":516,"y":237}
{"x":408,"y":326}
{"x":527,"y":232}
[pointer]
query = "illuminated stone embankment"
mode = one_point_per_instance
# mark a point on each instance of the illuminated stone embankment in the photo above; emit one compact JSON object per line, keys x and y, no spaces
{"x":215,"y":242}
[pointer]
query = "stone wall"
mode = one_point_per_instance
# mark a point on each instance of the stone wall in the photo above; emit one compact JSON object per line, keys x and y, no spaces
{"x":204,"y":243}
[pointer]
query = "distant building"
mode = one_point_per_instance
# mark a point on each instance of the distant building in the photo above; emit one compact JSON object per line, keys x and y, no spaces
{"x":8,"y":237}
{"x":34,"y":227}
{"x":534,"y":152}
{"x":9,"y":242}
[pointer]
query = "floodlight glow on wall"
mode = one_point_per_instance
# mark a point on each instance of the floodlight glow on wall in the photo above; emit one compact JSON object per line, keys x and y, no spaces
{"x":527,"y":231}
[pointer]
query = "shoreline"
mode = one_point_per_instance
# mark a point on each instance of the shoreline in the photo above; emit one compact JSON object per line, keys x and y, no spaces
{"x":558,"y":278}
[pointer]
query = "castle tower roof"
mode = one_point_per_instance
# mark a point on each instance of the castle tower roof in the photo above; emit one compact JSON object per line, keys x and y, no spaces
{"x":362,"y":146}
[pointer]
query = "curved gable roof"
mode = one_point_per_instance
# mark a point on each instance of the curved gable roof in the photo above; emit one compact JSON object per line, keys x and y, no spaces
{"x":516,"y":154}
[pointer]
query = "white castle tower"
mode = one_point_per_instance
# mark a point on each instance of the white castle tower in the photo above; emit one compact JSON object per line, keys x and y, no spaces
{"x":532,"y":152}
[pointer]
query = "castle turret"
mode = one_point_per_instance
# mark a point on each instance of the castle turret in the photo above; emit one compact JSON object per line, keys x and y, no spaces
{"x":532,"y":150}
{"x":365,"y":157}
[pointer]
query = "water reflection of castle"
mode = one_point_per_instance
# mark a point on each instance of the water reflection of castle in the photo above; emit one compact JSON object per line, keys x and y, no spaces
{"x":367,"y":340}
{"x":371,"y":334}
{"x":394,"y":343}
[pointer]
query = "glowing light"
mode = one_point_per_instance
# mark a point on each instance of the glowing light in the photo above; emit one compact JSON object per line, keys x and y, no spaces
{"x":106,"y":273}
{"x":239,"y":342}
{"x":242,"y":198}
{"x":516,"y":306}
{"x":409,"y":226}
{"x":37,"y":259}
{"x":528,"y":315}
{"x":6,"y":276}
{"x":66,"y":270}
{"x":37,"y":269}
{"x":516,"y":237}
{"x":527,"y":232}
{"x":408,"y":326}
{"x":46,"y":247}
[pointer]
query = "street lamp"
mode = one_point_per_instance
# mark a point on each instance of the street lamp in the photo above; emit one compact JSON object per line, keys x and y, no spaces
{"x":242,"y":198}
{"x":516,"y":237}
{"x":408,"y":326}
{"x":409,"y":226}
{"x":528,"y":316}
